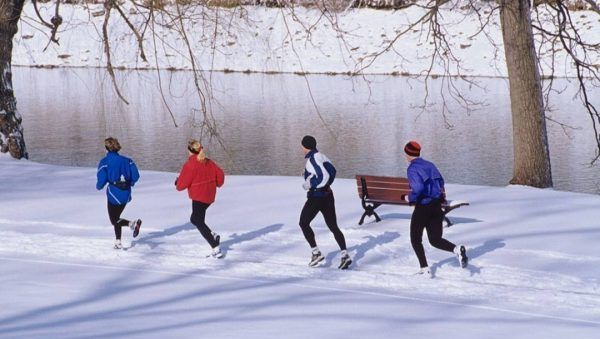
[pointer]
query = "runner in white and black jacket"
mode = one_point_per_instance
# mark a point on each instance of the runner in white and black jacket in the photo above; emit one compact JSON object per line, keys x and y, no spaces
{"x":319,"y":174}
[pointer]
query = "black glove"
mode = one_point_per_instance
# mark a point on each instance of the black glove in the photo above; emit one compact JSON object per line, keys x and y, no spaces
{"x":176,"y":181}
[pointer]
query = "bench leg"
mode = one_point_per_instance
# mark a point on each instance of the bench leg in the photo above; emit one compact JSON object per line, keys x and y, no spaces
{"x":447,"y":209}
{"x":362,"y":219}
{"x":377,"y":218}
{"x":369,"y":211}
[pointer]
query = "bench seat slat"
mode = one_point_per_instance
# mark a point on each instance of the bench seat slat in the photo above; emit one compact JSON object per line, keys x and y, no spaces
{"x":371,"y":191}
{"x":401,"y":186}
{"x":380,"y":178}
{"x":374,"y":190}
{"x":387,"y":202}
{"x":385,"y":182}
{"x":388,"y":196}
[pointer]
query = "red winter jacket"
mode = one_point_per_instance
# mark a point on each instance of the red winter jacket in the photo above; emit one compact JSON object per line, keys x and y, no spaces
{"x":201,"y":178}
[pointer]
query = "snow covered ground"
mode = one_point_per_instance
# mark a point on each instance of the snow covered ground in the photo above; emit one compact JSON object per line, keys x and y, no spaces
{"x":534,"y":270}
{"x":260,"y":39}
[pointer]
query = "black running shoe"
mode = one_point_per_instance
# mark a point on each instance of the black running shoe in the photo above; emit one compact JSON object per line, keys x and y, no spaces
{"x":462,"y":256}
{"x":345,"y":263}
{"x":136,"y":230}
{"x":316,"y":259}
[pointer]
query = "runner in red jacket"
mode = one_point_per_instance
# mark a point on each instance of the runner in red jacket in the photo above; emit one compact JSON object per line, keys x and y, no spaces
{"x":201,"y":177}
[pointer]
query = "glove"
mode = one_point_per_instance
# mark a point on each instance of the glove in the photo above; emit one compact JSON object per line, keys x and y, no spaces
{"x":306,"y":185}
{"x":176,"y":181}
{"x":404,"y":197}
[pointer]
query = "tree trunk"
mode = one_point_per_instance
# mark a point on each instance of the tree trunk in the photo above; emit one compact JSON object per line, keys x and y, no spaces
{"x":530,"y":141}
{"x":11,"y":131}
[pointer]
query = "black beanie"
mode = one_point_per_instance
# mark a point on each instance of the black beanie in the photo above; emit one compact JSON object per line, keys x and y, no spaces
{"x":309,"y":142}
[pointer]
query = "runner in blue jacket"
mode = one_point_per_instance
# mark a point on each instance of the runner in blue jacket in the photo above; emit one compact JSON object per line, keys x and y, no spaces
{"x":427,"y":194}
{"x":120,"y":173}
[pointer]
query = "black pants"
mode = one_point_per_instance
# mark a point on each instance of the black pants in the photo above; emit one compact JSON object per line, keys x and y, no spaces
{"x":197,"y":218}
{"x":114,"y":214}
{"x":428,"y":217}
{"x":325,"y":205}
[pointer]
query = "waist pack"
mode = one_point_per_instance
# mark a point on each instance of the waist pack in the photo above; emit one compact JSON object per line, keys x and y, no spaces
{"x":319,"y":192}
{"x":122,"y":185}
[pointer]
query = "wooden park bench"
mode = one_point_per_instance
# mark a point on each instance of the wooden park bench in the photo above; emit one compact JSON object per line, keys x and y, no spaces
{"x":375,"y":191}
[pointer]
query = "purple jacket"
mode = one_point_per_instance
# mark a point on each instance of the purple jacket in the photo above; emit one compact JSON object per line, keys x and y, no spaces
{"x":426,"y":182}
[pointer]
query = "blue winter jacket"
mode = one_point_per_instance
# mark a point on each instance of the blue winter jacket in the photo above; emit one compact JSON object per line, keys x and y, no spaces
{"x":319,"y":173}
{"x":426,"y":182}
{"x":112,"y":169}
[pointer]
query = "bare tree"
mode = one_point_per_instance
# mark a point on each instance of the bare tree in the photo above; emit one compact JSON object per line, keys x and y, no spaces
{"x":11,"y":131}
{"x":530,"y":141}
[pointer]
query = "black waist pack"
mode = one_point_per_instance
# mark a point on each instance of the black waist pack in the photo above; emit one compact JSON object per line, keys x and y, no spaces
{"x":122,"y":185}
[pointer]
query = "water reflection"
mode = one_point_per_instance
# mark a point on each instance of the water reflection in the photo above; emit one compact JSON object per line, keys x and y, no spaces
{"x":68,"y":112}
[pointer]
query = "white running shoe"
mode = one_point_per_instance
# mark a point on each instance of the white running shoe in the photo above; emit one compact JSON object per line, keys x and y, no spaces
{"x":316,"y":258}
{"x":425,"y":271}
{"x":118,"y":244}
{"x":217,"y":253}
{"x":345,"y":262}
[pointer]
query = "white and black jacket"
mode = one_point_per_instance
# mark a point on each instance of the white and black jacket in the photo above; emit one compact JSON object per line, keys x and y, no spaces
{"x":319,"y":173}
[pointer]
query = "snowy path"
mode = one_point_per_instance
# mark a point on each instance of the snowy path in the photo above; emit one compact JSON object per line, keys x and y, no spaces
{"x":527,"y":270}
{"x":113,"y":301}
{"x":252,"y":255}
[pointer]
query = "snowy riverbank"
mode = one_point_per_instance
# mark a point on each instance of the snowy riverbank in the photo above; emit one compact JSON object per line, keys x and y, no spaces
{"x":259,"y":39}
{"x":534,"y":264}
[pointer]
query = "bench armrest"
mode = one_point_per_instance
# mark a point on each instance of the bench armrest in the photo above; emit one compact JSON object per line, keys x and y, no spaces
{"x":456,"y":203}
{"x":452,"y":204}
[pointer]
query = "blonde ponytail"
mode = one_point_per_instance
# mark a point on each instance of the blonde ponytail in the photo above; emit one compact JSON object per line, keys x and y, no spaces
{"x":201,"y":155}
{"x":195,"y":147}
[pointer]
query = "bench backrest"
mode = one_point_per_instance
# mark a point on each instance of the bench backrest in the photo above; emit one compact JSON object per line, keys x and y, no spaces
{"x":382,"y":189}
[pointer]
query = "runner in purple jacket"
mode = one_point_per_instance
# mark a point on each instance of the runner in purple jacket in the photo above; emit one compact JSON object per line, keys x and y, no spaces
{"x":427,"y":195}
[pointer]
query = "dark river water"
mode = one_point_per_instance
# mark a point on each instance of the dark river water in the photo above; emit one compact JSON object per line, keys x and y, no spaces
{"x":361,"y":125}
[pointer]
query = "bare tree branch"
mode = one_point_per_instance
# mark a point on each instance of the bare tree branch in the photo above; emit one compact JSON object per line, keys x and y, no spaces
{"x":108,"y":6}
{"x":572,"y":43}
{"x":55,"y":21}
{"x":133,"y":29}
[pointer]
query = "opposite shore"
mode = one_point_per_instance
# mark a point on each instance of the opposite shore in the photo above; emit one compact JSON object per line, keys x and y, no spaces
{"x":255,"y":39}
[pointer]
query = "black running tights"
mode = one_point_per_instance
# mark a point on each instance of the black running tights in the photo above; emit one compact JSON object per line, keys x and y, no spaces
{"x":428,"y":217}
{"x":114,"y":214}
{"x":197,"y":218}
{"x":325,"y":205}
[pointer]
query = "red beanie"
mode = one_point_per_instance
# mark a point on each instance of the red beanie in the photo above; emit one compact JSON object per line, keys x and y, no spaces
{"x":413,"y":149}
